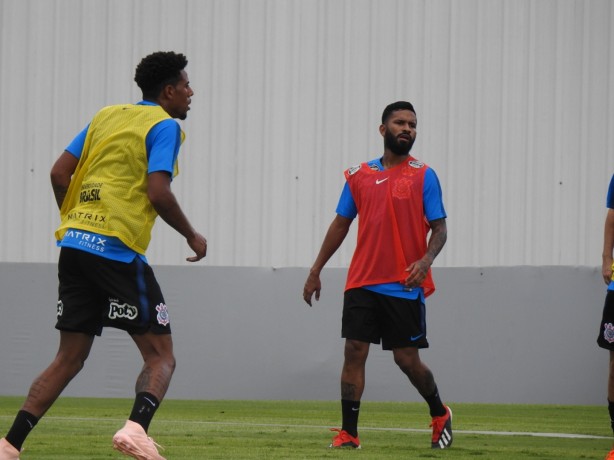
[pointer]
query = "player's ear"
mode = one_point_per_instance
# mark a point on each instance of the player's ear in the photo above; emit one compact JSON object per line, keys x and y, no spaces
{"x":168,"y":91}
{"x":382,"y":129}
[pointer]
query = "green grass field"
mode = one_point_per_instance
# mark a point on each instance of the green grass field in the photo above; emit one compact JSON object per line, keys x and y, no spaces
{"x":82,"y":428}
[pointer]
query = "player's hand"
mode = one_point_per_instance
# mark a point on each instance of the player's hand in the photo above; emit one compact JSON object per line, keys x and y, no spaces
{"x":198,"y":244}
{"x":416,"y":273}
{"x":312,"y":285}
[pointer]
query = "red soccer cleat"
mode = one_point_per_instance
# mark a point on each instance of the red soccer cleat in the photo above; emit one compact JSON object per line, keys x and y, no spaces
{"x":344,"y":439}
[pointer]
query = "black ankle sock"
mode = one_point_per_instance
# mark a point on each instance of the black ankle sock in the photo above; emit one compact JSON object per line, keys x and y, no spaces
{"x":349,"y":413}
{"x":145,"y":406}
{"x":436,"y":407}
{"x":23,"y":424}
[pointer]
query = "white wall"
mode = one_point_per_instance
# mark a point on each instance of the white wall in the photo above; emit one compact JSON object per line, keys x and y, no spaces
{"x":515,"y":102}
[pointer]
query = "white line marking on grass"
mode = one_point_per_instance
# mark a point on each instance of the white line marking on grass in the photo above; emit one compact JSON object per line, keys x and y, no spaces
{"x":286,"y":425}
{"x":502,"y":433}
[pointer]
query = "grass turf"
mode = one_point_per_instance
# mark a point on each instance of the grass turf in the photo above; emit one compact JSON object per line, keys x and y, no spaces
{"x":82,"y":428}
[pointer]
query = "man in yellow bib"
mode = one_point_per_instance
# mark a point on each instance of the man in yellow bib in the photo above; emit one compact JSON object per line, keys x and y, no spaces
{"x":110,"y":184}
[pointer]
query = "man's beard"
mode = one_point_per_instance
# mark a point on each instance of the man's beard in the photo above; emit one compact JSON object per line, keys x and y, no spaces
{"x":398,"y":148}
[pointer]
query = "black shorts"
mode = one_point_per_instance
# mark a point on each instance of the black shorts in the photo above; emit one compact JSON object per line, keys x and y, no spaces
{"x":96,"y":292}
{"x":372,"y":317}
{"x":605,"y":339}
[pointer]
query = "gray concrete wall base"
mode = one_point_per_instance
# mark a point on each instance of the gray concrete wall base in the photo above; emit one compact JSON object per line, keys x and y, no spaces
{"x":498,"y":334}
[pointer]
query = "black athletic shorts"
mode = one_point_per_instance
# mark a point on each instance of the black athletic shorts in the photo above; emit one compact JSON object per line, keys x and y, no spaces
{"x":96,"y":292}
{"x":372,"y":317}
{"x":606,"y":329}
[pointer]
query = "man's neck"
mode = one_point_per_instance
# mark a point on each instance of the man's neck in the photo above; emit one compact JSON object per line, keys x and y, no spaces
{"x":390,"y":160}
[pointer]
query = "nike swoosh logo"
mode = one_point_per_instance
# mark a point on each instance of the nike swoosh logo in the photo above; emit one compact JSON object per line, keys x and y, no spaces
{"x":149,"y":400}
{"x":415,"y":337}
{"x":379,"y":181}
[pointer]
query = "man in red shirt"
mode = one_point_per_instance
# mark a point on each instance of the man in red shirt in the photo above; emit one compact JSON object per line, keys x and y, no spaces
{"x":398,"y":199}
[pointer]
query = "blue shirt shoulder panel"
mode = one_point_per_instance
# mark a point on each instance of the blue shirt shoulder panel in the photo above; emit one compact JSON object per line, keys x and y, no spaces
{"x":610,"y":205}
{"x":163,"y":142}
{"x":432,"y":197}
{"x":76,"y":146}
{"x":346,"y":206}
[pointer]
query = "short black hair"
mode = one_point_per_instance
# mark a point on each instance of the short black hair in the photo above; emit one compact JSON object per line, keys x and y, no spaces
{"x":157,"y":70}
{"x":399,"y":105}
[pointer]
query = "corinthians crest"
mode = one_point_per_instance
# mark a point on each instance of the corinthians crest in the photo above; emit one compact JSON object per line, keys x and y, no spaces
{"x":608,"y":332}
{"x":162,"y":314}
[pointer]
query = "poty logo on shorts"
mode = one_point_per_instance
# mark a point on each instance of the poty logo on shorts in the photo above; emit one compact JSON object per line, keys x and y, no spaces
{"x":608,"y":332}
{"x":60,"y":308}
{"x":162,"y":314}
{"x":122,"y":311}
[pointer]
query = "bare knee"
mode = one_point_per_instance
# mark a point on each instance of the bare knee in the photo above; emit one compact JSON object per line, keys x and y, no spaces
{"x":356,"y":352}
{"x":170,"y":363}
{"x":156,"y":348}
{"x":408,"y":360}
{"x":165,"y":361}
{"x":71,"y":364}
{"x":73,"y":352}
{"x":421,"y":377}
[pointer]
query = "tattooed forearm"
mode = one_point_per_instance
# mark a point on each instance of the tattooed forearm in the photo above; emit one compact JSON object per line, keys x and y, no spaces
{"x":439,"y":235}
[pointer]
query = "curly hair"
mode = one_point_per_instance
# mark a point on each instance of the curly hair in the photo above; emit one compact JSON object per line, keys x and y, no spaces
{"x":399,"y":105}
{"x":157,"y":70}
